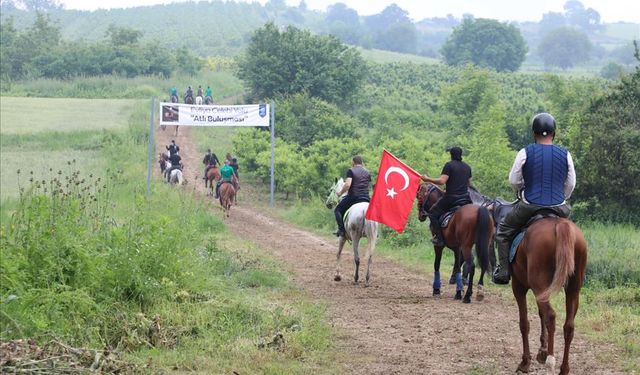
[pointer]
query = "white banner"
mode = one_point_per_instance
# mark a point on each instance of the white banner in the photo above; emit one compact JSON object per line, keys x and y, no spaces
{"x":214,"y":115}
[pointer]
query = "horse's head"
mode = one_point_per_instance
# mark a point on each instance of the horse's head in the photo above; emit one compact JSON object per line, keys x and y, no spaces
{"x":428,"y":195}
{"x":333,"y":198}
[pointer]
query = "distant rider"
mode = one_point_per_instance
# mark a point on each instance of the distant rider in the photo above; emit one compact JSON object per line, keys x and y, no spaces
{"x":226,"y":175}
{"x":210,"y":160}
{"x":173,"y":94}
{"x":173,"y":148}
{"x":199,"y":91}
{"x":208,"y":94}
{"x":188,"y":94}
{"x":174,"y":159}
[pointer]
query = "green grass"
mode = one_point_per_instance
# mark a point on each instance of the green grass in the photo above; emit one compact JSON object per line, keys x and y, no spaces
{"x":381,"y":56}
{"x":96,"y":265}
{"x":35,"y":115}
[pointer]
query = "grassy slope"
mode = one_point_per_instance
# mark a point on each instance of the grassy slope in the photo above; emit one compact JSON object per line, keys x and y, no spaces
{"x":232,"y":298}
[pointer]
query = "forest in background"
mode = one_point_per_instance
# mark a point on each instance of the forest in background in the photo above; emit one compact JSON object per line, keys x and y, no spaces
{"x":219,"y":28}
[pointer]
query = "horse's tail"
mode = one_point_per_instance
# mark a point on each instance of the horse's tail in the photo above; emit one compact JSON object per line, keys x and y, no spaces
{"x":565,"y":264}
{"x":483,"y":227}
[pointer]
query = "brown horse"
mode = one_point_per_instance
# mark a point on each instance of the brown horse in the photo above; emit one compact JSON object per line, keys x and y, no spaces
{"x":552,"y":254}
{"x":213,"y":176}
{"x":162,"y":160}
{"x":470,"y":224}
{"x":227,"y":196}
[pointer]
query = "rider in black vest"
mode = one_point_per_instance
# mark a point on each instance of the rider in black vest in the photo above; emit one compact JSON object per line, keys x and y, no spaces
{"x":357,"y":185}
{"x":544,"y":176}
{"x":174,"y":159}
{"x":210,"y":160}
{"x":456,"y":175}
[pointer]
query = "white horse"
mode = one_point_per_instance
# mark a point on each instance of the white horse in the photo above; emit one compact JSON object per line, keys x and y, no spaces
{"x":198,"y":100}
{"x":176,"y":177}
{"x":356,"y":227}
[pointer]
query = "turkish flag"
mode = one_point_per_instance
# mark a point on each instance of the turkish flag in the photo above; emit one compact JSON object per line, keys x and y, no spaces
{"x":394,"y":193}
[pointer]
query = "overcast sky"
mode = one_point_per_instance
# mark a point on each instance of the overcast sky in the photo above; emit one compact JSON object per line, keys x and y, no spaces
{"x":513,"y":10}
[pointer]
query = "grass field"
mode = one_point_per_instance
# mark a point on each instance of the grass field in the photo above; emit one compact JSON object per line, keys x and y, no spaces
{"x":381,"y":56}
{"x":34,"y":115}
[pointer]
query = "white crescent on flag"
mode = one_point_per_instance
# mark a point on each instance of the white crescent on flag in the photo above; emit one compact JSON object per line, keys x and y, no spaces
{"x":399,"y":171}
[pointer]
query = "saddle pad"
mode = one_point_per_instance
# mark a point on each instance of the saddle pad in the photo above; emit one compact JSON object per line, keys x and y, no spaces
{"x":444,"y":219}
{"x":514,"y":245}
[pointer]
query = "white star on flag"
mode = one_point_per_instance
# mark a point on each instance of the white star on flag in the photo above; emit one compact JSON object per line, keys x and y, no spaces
{"x":391,"y":193}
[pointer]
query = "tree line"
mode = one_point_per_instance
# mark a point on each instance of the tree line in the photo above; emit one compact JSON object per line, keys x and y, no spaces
{"x":417,"y":111}
{"x":39,"y":51}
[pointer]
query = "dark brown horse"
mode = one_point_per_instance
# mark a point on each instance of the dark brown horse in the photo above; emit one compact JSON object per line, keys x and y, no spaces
{"x":227,"y":196}
{"x":470,"y":225}
{"x":213,"y":176}
{"x":552,"y":254}
{"x":162,"y":160}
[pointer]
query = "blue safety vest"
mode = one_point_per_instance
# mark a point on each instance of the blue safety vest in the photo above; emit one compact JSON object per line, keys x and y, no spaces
{"x":545,"y":172}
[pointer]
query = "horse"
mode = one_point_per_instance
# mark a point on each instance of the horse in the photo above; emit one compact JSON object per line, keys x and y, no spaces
{"x":356,"y":227}
{"x":552,"y":254}
{"x":162,"y":160}
{"x":470,"y":224}
{"x":176,"y":177}
{"x":227,"y":196}
{"x":208,"y":100}
{"x":213,"y":175}
{"x":198,"y":100}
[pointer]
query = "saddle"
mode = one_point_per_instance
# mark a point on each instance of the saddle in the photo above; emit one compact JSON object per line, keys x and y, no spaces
{"x":542,"y":214}
{"x":446,"y":217}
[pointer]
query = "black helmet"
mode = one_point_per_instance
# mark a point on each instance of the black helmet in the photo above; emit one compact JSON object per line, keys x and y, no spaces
{"x":543,"y":124}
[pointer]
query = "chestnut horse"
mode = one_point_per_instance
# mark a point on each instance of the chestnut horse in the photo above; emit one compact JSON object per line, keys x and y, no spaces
{"x":552,"y":254}
{"x":470,"y":225}
{"x":227,"y":196}
{"x":213,"y":176}
{"x":162,"y":160}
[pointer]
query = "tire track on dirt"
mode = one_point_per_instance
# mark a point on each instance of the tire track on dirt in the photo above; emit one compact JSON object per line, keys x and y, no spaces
{"x":396,"y":326}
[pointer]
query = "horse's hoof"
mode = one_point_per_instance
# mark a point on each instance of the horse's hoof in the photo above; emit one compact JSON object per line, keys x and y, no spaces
{"x":452,"y":280}
{"x":337,"y":278}
{"x":523,"y":367}
{"x":542,"y":356}
{"x":436,"y":292}
{"x":466,"y":300}
{"x":458,"y":295}
{"x":366,"y":285}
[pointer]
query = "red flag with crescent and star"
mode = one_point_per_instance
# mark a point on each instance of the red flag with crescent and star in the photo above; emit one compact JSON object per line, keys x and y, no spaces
{"x":394,"y":193}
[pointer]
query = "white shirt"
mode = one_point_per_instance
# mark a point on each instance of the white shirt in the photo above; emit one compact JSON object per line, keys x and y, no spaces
{"x":517,"y":180}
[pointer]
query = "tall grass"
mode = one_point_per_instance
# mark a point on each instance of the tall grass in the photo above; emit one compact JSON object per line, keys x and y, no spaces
{"x":89,"y":259}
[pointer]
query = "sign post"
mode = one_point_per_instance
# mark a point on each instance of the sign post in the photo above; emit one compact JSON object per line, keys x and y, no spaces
{"x":272,"y":190}
{"x":151,"y":144}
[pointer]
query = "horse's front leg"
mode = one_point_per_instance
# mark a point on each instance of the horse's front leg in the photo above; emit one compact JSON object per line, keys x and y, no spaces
{"x":480,"y":293}
{"x":470,"y":269}
{"x":356,"y":256}
{"x":341,"y":242}
{"x":436,"y":270}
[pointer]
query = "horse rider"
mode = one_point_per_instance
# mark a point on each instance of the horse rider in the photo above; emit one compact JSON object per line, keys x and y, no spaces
{"x":208,"y":94}
{"x":210,"y":160}
{"x":188,"y":94}
{"x":356,"y":186}
{"x":173,"y":93}
{"x":226,"y":175}
{"x":544,"y":176}
{"x":199,"y":90}
{"x":234,"y":164}
{"x":173,"y":147}
{"x":174,"y":159}
{"x":456,"y":176}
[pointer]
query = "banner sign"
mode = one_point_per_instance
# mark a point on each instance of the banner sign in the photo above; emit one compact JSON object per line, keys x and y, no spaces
{"x":214,"y":115}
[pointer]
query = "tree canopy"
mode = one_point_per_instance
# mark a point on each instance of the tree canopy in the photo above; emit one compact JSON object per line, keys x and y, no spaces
{"x":485,"y":43}
{"x":278,"y":63}
{"x":564,"y":47}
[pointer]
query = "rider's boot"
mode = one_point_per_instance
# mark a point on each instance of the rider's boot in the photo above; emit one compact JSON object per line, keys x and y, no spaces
{"x":340,"y":232}
{"x":501,"y":274}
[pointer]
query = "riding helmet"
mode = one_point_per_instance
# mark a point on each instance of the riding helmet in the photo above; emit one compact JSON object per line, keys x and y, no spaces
{"x":543,"y":124}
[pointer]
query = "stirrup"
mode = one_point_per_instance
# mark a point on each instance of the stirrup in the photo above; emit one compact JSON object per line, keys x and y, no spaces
{"x":501,"y":278}
{"x":339,"y":233}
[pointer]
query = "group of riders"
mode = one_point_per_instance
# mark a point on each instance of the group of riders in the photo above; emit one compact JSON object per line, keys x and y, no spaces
{"x":542,"y":174}
{"x":188,"y":97}
{"x":228,"y":171}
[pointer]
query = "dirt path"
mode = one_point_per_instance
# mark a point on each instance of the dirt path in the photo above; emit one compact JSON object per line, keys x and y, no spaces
{"x":395,"y":326}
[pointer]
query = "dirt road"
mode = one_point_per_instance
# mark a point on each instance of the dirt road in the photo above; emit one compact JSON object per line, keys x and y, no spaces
{"x":396,"y":326}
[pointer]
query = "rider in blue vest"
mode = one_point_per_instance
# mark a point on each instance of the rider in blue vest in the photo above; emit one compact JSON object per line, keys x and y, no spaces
{"x":544,"y":176}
